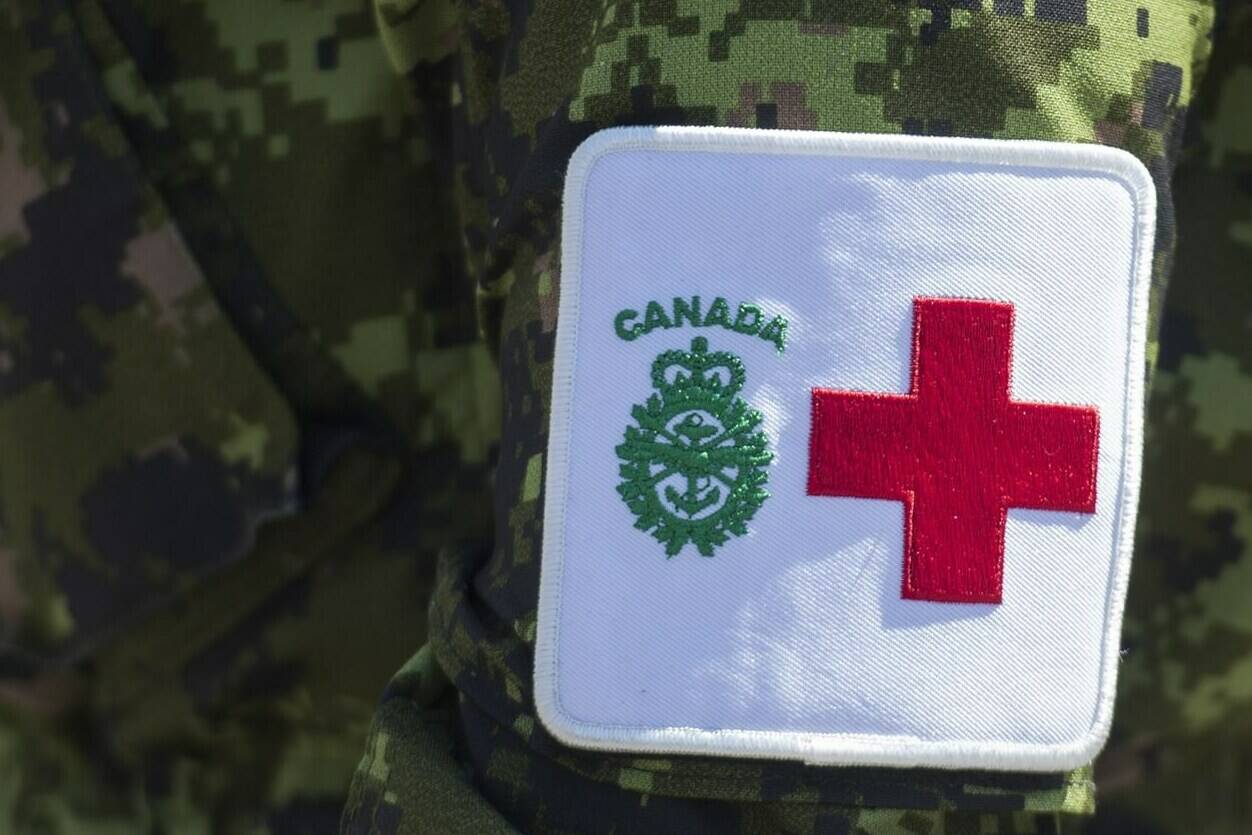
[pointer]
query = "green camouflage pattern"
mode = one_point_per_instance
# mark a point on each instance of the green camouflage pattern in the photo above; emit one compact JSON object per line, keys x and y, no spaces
{"x":225,"y":319}
{"x":1180,"y":760}
{"x":520,"y":90}
{"x":251,"y":288}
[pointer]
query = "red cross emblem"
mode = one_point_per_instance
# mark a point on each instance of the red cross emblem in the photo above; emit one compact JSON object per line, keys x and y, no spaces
{"x":956,"y":450}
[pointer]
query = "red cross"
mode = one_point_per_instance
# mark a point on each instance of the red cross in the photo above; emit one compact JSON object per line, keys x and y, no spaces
{"x":956,"y":450}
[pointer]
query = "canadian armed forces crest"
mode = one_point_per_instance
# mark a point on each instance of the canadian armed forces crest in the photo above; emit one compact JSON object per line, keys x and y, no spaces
{"x":693,"y":465}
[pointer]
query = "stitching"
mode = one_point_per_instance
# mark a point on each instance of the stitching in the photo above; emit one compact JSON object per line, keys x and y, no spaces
{"x":1136,"y":280}
{"x":948,"y":322}
{"x":714,"y":773}
{"x":728,"y":140}
{"x":715,"y":421}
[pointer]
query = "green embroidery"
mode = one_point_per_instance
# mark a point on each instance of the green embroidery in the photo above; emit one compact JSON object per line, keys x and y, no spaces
{"x":689,"y":311}
{"x":686,"y":311}
{"x":693,"y":469}
{"x":749,"y":319}
{"x":627,"y":332}
{"x":776,"y":332}
{"x":655,"y":318}
{"x":719,"y":313}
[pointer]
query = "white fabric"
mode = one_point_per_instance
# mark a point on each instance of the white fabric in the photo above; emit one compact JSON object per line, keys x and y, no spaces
{"x":793,"y":641}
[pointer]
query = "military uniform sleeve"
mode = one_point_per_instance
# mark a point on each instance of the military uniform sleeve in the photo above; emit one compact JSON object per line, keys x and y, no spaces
{"x":512,"y":90}
{"x":223,"y":470}
{"x":1181,"y":743}
{"x":128,"y":398}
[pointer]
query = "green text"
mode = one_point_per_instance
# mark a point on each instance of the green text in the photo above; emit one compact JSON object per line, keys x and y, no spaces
{"x":748,"y":319}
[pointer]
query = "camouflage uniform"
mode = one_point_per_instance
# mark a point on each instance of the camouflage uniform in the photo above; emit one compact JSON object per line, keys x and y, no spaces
{"x":222,"y":329}
{"x":251,"y":290}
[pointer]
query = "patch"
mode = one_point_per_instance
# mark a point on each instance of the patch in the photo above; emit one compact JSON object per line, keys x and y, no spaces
{"x":844,"y":449}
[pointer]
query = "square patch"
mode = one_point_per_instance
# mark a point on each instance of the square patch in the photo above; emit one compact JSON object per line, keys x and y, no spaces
{"x":845,"y":447}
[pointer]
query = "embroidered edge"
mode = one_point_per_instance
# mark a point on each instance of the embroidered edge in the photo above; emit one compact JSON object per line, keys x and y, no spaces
{"x":816,"y":476}
{"x":839,"y":748}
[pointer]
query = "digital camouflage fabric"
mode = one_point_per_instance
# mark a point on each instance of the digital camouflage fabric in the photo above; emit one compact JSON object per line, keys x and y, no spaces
{"x":515,"y":89}
{"x":1180,"y":760}
{"x":242,"y":400}
{"x":276,"y":329}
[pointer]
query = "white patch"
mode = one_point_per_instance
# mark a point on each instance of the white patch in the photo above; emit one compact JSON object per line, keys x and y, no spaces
{"x":793,"y":641}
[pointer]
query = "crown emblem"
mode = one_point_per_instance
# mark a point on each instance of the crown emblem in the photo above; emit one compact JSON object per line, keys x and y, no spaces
{"x":719,"y":373}
{"x":693,"y":465}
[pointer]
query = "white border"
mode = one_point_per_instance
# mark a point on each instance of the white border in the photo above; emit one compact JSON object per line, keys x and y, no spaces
{"x":836,"y":748}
